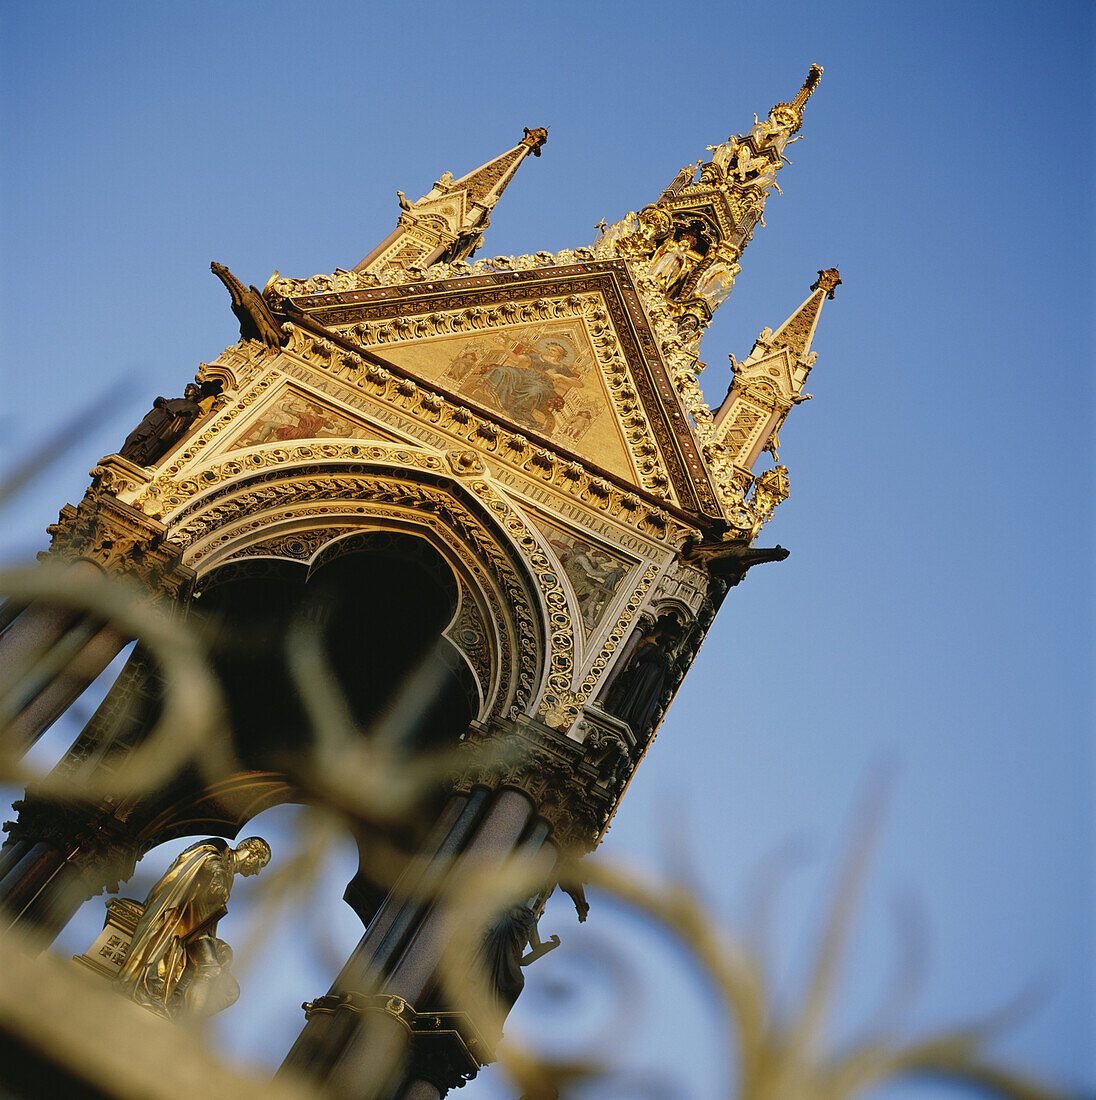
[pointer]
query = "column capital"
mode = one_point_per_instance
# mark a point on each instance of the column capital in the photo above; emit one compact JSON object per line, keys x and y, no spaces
{"x":571,"y":784}
{"x":93,"y":841}
{"x":121,"y":540}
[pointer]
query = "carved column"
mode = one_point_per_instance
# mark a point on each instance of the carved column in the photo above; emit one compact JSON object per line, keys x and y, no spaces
{"x":326,"y":1033}
{"x":435,"y":1065}
{"x":385,"y":1027}
{"x":55,"y":652}
{"x":52,"y":699}
{"x":37,"y":627}
{"x":36,"y":649}
{"x":46,"y":871}
{"x":58,"y":855}
{"x":376,"y":1054}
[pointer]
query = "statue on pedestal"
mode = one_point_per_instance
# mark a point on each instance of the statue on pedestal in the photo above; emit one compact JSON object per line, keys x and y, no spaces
{"x":175,"y":964}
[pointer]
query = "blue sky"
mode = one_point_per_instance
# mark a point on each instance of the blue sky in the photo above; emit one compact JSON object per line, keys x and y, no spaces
{"x":936,"y":608}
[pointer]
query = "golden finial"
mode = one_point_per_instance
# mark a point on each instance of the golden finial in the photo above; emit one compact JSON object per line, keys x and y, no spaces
{"x":535,"y":137}
{"x":828,"y":280}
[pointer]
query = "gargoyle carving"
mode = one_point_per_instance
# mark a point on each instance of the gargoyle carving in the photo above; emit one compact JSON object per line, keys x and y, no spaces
{"x":256,"y":320}
{"x":729,"y":561}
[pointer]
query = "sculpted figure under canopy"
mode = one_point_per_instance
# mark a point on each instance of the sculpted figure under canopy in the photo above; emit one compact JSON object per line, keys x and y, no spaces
{"x":175,"y":964}
{"x":636,"y":693}
{"x":169,"y":419}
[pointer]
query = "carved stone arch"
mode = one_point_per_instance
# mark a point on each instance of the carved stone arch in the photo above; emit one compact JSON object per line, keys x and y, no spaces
{"x":294,"y":543}
{"x":472,"y":629}
{"x":231,"y":518}
{"x":396,"y":538}
{"x":670,"y":606}
{"x":258,"y":566}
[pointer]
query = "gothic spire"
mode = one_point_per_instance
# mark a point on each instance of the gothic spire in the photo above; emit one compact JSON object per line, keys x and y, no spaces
{"x":770,"y":380}
{"x":797,"y":332}
{"x":693,"y":236}
{"x":447,"y":223}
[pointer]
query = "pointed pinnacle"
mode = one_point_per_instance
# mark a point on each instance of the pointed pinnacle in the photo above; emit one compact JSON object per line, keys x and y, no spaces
{"x":809,"y":85}
{"x":791,"y":114}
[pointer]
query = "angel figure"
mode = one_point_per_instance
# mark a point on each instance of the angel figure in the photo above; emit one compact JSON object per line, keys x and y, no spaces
{"x":716,"y":283}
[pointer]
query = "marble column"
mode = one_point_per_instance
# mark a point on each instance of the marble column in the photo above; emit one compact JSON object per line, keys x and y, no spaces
{"x":374,"y":1058}
{"x":324,"y":1035}
{"x":50,"y":654}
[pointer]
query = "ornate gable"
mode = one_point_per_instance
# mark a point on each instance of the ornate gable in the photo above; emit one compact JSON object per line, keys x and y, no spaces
{"x":562,"y":353}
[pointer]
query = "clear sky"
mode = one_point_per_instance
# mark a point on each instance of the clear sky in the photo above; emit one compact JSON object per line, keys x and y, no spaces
{"x":935,"y":611}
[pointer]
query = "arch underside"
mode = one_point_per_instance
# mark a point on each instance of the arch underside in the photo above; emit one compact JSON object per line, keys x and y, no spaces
{"x":308,"y":519}
{"x":309,"y":514}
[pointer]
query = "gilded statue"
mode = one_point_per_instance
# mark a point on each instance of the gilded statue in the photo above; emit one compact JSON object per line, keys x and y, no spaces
{"x":717,"y":282}
{"x":175,"y":964}
{"x":676,"y":258}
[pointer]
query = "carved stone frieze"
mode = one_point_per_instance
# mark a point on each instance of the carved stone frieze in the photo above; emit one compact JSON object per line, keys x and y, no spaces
{"x":172,"y":487}
{"x":343,"y":281}
{"x":169,"y":495}
{"x":609,"y":751}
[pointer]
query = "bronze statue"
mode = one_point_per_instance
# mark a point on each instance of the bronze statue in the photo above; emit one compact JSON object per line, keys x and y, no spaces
{"x":503,"y":945}
{"x":256,"y":320}
{"x":175,"y":964}
{"x":166,"y":423}
{"x":636,"y":693}
{"x":504,"y":955}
